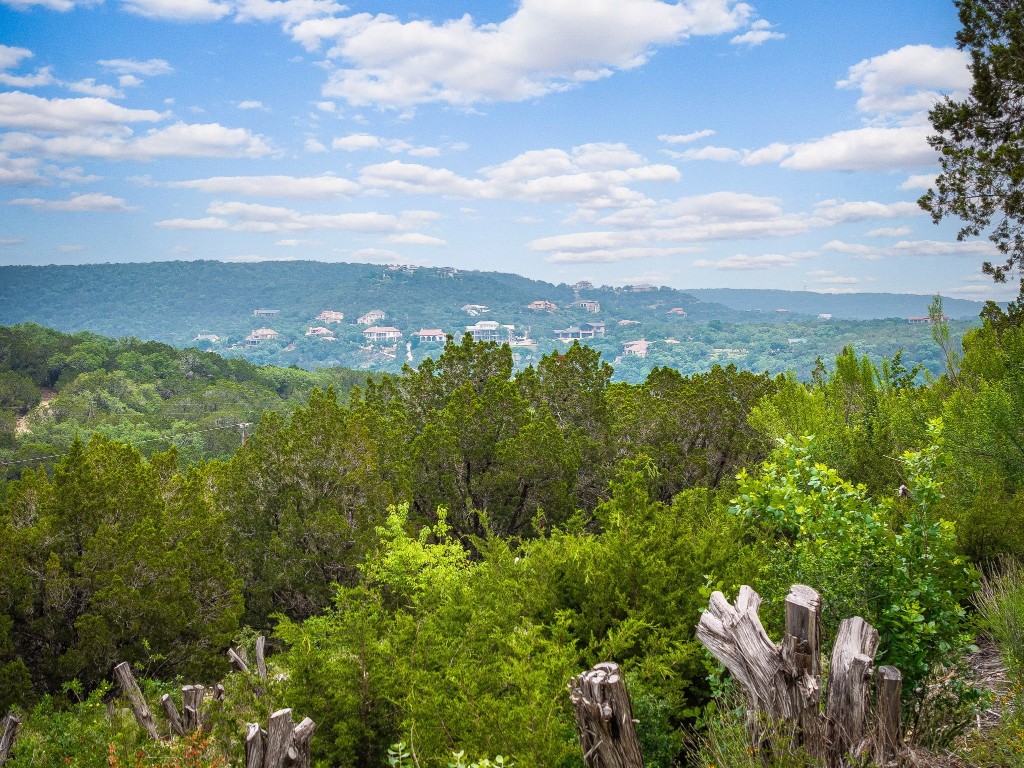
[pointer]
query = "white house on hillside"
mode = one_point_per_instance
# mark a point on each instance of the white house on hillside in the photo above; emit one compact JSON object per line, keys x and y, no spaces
{"x":382,"y":333}
{"x":371,"y":317}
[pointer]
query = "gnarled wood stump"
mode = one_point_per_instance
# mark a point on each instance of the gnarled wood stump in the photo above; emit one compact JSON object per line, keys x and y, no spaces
{"x":604,"y":718}
{"x":783,"y":682}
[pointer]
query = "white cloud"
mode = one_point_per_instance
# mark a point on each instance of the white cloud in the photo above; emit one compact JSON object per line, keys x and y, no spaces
{"x":5,"y":241}
{"x":545,"y":46}
{"x":314,"y":146}
{"x":889,"y":232}
{"x":685,"y":138}
{"x":23,"y":110}
{"x":11,"y":56}
{"x":327,"y":106}
{"x":90,"y":87}
{"x":128,"y":81}
{"x":41,"y":77}
{"x":250,"y":104}
{"x":308,"y":187}
{"x":19,"y":171}
{"x":837,"y":280}
{"x":254,"y":217}
{"x":611,"y":256}
{"x":288,"y":12}
{"x":742,"y":261}
{"x":865,"y":149}
{"x":71,"y":248}
{"x":178,"y":140}
{"x":909,"y":79}
{"x":53,"y":5}
{"x":720,"y":154}
{"x":377,"y":256}
{"x":87,"y":202}
{"x":772,"y":153}
{"x":208,"y":223}
{"x":178,"y":10}
{"x":864,"y":209}
{"x":415,"y":238}
{"x":760,"y":31}
{"x":919,"y":181}
{"x":357,"y":142}
{"x":148,"y":68}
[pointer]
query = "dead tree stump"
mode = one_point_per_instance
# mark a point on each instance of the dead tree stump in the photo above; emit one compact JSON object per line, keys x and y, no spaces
{"x":8,"y":733}
{"x":126,"y":680}
{"x":604,"y":718}
{"x":783,"y":682}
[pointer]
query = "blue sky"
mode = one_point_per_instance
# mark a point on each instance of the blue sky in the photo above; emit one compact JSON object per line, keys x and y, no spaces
{"x":704,"y":143}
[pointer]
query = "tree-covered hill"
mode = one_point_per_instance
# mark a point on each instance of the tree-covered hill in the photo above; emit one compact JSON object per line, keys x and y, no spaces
{"x":179,"y":302}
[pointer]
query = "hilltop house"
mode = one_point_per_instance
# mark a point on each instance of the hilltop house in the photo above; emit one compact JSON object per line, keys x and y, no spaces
{"x":587,"y":304}
{"x":542,"y":306}
{"x":319,"y":331}
{"x":382,"y":333}
{"x":678,"y":311}
{"x":474,"y":310}
{"x":329,"y":316}
{"x":596,"y":328}
{"x":921,"y":320}
{"x":260,"y":335}
{"x":636,"y":348}
{"x":582,"y":331}
{"x":266,"y":312}
{"x":429,"y":335}
{"x":583,"y":285}
{"x":210,"y":337}
{"x":490,"y":330}
{"x":371,"y":317}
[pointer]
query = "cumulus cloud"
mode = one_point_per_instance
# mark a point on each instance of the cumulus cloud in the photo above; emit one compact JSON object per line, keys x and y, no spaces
{"x":613,"y":255}
{"x":23,"y":110}
{"x":415,"y":238}
{"x":86,"y":202}
{"x":889,"y":232}
{"x":742,"y":261}
{"x":908,"y":79}
{"x":544,"y":46}
{"x":11,"y":56}
{"x":865,"y":149}
{"x":308,"y":187}
{"x":685,"y":138}
{"x":919,"y":181}
{"x":314,"y":146}
{"x":760,"y":31}
{"x":288,"y":12}
{"x":53,"y":5}
{"x":178,"y":10}
{"x":19,"y":171}
{"x":148,"y":68}
{"x":90,"y":87}
{"x":972,"y":249}
{"x":250,"y":104}
{"x":254,"y":217}
{"x":720,"y":154}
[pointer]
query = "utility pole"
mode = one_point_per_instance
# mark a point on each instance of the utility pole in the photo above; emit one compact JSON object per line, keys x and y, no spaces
{"x":243,"y":427}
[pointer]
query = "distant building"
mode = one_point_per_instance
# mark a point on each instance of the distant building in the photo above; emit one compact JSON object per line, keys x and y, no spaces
{"x":925,"y":319}
{"x":266,"y":312}
{"x":678,"y":311}
{"x":587,"y":304}
{"x":371,"y":317}
{"x":319,"y":331}
{"x":382,"y":333}
{"x":642,"y":288}
{"x":260,"y":335}
{"x":800,"y":340}
{"x":636,"y":348}
{"x":542,"y":306}
{"x":329,"y":316}
{"x":583,"y":285}
{"x":429,"y":335}
{"x":210,"y":337}
{"x":489,"y":330}
{"x":623,"y":323}
{"x":824,"y":316}
{"x":474,"y":310}
{"x":596,"y":327}
{"x":782,"y":310}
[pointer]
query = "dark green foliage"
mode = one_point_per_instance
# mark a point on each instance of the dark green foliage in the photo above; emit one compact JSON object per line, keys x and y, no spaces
{"x":979,"y":139}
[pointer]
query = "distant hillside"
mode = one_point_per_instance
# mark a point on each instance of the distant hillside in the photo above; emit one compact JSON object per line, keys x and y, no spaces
{"x":849,"y":306}
{"x":211,"y":305}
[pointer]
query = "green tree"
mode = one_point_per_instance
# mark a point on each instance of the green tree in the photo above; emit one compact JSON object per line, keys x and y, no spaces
{"x":980,"y":139}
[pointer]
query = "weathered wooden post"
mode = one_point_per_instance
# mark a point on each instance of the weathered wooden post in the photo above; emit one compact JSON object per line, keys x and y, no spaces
{"x":126,"y":680}
{"x":298,"y":752}
{"x":887,"y":734}
{"x":8,"y":733}
{"x":171,"y":712}
{"x":192,"y":706}
{"x":783,"y":682}
{"x":253,"y":746}
{"x":279,"y":732}
{"x":261,"y":663}
{"x":604,"y":718}
{"x":237,"y":661}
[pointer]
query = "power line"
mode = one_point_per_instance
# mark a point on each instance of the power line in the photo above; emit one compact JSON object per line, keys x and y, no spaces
{"x":168,"y":438}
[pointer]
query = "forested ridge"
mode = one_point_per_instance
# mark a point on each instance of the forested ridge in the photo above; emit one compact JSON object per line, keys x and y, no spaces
{"x":211,"y":304}
{"x":433,"y":554}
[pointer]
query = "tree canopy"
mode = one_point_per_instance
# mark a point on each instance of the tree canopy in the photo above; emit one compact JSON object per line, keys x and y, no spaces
{"x":981,"y":138}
